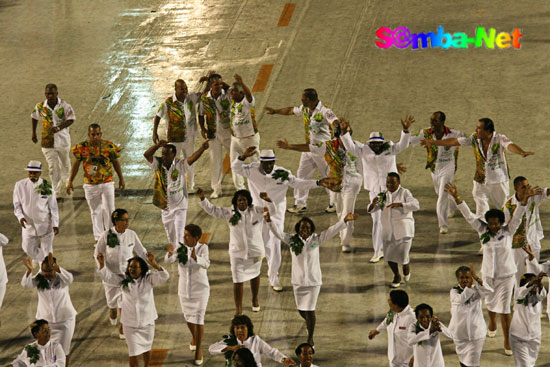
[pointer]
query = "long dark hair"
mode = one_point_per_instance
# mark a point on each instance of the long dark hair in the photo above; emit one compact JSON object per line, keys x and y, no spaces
{"x":142,"y":263}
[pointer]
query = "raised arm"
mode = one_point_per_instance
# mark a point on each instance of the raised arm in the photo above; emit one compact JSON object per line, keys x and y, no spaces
{"x":284,"y":144}
{"x":405,"y":136}
{"x":281,"y":111}
{"x":198,"y":153}
{"x":474,"y":221}
{"x":514,"y":148}
{"x":211,"y":209}
{"x":336,"y":228}
{"x":413,"y":337}
{"x":149,"y":153}
{"x":247,"y":93}
{"x":238,"y":165}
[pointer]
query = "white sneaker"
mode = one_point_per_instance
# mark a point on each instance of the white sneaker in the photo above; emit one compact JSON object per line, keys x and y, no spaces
{"x":198,"y":362}
{"x":216,"y":194}
{"x":508,"y":352}
{"x":375,"y":259}
{"x":443,"y":230}
{"x":192,"y":347}
{"x":491,"y":334}
{"x":277,"y":288}
{"x":296,"y":209}
{"x":346,"y":249}
{"x":407,"y":277}
{"x":330,"y":209}
{"x":395,"y":285}
{"x":256,"y":309}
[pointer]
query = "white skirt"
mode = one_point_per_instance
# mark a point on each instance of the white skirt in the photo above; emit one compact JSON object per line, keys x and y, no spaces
{"x":469,"y":352}
{"x":62,"y":333}
{"x":500,"y":300}
{"x":113,"y":294}
{"x":525,"y":352}
{"x":139,"y":340}
{"x":194,"y":308}
{"x":306,"y":297}
{"x":397,"y":251}
{"x":245,"y":269}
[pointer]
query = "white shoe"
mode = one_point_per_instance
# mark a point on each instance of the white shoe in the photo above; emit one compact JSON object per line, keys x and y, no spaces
{"x":121,"y":336}
{"x":216,"y":194}
{"x":451,"y":213}
{"x":395,"y":285}
{"x":191,"y":190}
{"x":297,"y":209}
{"x":407,"y":277}
{"x":113,"y":321}
{"x":277,"y":288}
{"x":192,"y":347}
{"x":197,"y":362}
{"x":491,"y":334}
{"x":256,"y":309}
{"x":330,"y":209}
{"x":346,"y":249}
{"x":508,"y":352}
{"x":443,"y":230}
{"x":375,"y":258}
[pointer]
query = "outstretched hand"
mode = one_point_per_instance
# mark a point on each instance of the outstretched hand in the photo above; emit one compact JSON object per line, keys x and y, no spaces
{"x":101,"y":260}
{"x":249,"y":152}
{"x":283,"y":144}
{"x":270,"y":111}
{"x":351,"y":216}
{"x":409,"y":120}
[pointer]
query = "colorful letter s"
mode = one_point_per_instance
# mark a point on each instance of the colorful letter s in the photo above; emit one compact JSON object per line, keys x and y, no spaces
{"x":385,"y":35}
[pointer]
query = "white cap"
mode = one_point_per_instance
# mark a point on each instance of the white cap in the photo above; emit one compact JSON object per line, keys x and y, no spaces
{"x":376,"y":136}
{"x":34,"y":166}
{"x":267,"y":155}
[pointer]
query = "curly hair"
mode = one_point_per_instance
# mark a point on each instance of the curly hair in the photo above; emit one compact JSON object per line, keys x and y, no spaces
{"x":244,"y":193}
{"x":142,"y":263}
{"x":307,"y":220}
{"x":242,"y":320}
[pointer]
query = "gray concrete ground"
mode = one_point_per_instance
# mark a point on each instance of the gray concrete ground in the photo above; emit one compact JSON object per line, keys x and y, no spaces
{"x":115,"y":61}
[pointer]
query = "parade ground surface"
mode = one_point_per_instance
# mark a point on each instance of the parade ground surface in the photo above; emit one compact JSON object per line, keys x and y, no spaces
{"x":115,"y":61}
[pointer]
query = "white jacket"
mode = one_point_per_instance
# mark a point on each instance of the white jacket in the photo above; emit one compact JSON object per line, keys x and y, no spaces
{"x":138,"y":303}
{"x":427,"y":347}
{"x":51,"y":355}
{"x":398,"y":221}
{"x":526,"y":319}
{"x":467,"y":322}
{"x":116,"y":258}
{"x":54,"y":304}
{"x":40,"y":211}
{"x":193,"y":277}
{"x":256,"y":345}
{"x":399,"y":350}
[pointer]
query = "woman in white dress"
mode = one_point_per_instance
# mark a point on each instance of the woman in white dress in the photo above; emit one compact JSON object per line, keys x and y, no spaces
{"x":138,"y":304}
{"x":193,"y":286}
{"x":306,"y":266}
{"x":42,"y":352}
{"x":242,"y":336}
{"x":246,"y":246}
{"x":118,"y":244}
{"x":54,"y":300}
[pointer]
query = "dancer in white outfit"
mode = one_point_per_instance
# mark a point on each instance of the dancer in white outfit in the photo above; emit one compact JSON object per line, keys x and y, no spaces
{"x":274,"y":180}
{"x":241,"y":335}
{"x":306,"y":266}
{"x":118,"y":244}
{"x":54,"y":301}
{"x":43,"y":352}
{"x":467,"y":324}
{"x":138,"y":304}
{"x":442,"y":162}
{"x":3,"y":273}
{"x":498,"y":266}
{"x":193,"y":286}
{"x":36,"y":210}
{"x":378,"y":159}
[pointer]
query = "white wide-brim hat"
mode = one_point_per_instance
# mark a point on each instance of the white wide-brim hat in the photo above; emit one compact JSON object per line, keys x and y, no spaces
{"x":376,"y":136}
{"x":34,"y":166}
{"x":267,"y":155}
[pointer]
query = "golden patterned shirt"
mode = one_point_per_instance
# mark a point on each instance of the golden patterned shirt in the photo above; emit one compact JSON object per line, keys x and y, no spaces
{"x":97,"y":160}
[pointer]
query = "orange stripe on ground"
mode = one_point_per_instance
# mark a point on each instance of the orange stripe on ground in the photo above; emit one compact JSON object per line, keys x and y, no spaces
{"x":205,"y":238}
{"x":157,"y":357}
{"x":226,"y":165}
{"x":284,"y":20}
{"x":262,"y":78}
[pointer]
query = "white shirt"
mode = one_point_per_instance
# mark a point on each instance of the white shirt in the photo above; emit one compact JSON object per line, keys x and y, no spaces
{"x":467,"y":322}
{"x":319,"y":122}
{"x":54,"y":304}
{"x":306,"y":267}
{"x":533,"y":225}
{"x":376,"y":167}
{"x":427,"y":354}
{"x":138,"y":302}
{"x":398,"y":222}
{"x":245,"y":238}
{"x":116,"y":258}
{"x":526,"y":319}
{"x":193,"y":278}
{"x":176,"y":182}
{"x":60,"y":114}
{"x":51,"y":355}
{"x":243,"y":119}
{"x":399,"y":350}
{"x":445,"y":158}
{"x":256,"y":345}
{"x":189,"y":104}
{"x":498,"y":259}
{"x":40,"y":211}
{"x":495,"y":168}
{"x":222,"y":114}
{"x":276,"y":188}
{"x":3,"y":273}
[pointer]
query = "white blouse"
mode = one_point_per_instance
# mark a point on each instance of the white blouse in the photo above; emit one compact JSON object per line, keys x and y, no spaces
{"x":51,"y":355}
{"x":116,"y":258}
{"x":526,"y":319}
{"x":54,"y":304}
{"x":193,"y":277}
{"x":399,"y":350}
{"x":138,"y":303}
{"x":426,"y":346}
{"x":306,"y":267}
{"x":245,"y":238}
{"x":256,"y":345}
{"x":467,"y":322}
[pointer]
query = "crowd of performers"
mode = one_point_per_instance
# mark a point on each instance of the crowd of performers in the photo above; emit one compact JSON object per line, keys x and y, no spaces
{"x":509,"y":235}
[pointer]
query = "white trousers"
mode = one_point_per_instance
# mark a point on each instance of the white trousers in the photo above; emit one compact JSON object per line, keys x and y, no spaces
{"x":216,"y":158}
{"x":445,"y":203}
{"x":186,"y":149}
{"x":63,"y":332}
{"x":525,"y":351}
{"x":272,"y":247}
{"x":377,"y":243}
{"x":345,"y":203}
{"x":37,"y":247}
{"x":238,"y":146}
{"x":485,"y":193}
{"x":306,"y":168}
{"x":59,"y":167}
{"x":2,"y":293}
{"x":174,"y":224}
{"x":101,"y":200}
